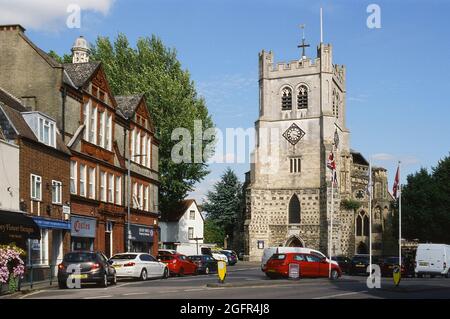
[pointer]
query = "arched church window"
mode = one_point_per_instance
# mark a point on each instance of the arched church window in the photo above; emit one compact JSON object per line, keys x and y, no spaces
{"x":294,"y":210}
{"x":302,"y":97}
{"x":286,"y":98}
{"x":366,"y":225}
{"x":359,"y":225}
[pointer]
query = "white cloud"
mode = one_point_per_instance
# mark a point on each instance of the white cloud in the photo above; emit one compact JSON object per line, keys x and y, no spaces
{"x":47,"y":14}
{"x":383,"y":157}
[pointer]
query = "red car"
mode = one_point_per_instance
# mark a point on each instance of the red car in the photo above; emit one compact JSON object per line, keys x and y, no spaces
{"x":178,"y":264}
{"x":309,"y":265}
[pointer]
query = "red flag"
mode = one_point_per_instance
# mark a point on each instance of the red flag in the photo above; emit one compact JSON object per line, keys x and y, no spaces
{"x":331,"y":163}
{"x":396,"y":182}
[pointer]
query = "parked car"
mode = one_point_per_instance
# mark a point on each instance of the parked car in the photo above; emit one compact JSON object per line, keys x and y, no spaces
{"x":387,"y":265}
{"x":167,"y":251}
{"x":215,"y":254}
{"x":344,"y":263}
{"x":178,"y":264}
{"x":359,"y":265}
{"x":310,"y":265}
{"x":205,"y":264}
{"x":269,"y":251}
{"x":138,"y":265}
{"x":94,"y":267}
{"x":432,"y":259}
{"x":231,"y":256}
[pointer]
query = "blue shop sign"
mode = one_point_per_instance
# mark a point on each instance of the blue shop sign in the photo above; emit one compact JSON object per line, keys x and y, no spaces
{"x":141,"y":233}
{"x":51,"y":223}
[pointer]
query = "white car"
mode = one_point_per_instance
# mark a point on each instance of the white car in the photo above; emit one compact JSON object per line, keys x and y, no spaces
{"x":138,"y":265}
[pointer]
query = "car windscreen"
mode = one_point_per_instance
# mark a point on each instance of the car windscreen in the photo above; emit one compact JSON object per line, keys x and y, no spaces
{"x":278,"y":257}
{"x":124,"y":256}
{"x":79,"y":257}
{"x":165,"y":257}
{"x":195,"y":257}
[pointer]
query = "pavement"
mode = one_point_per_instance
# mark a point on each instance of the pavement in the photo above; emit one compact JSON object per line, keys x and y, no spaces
{"x":246,"y":281}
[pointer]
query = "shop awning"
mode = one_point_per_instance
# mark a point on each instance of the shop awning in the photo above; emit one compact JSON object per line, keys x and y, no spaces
{"x":17,"y":227}
{"x":51,"y":223}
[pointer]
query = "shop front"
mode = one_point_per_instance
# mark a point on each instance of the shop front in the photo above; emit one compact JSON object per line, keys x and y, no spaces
{"x":142,"y":238}
{"x":82,"y":231}
{"x":17,"y":228}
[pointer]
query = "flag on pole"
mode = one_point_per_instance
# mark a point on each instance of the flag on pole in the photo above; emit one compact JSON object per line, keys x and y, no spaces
{"x":331,"y":163}
{"x":396,"y":183}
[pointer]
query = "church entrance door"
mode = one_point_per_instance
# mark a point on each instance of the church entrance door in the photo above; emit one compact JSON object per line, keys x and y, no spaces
{"x":294,"y":242}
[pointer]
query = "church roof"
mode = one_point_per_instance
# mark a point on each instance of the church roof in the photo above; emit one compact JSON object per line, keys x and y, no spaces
{"x":358,"y":158}
{"x":80,"y":73}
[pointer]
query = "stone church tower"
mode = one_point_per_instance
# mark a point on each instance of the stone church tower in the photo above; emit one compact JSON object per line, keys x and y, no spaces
{"x":302,"y":118}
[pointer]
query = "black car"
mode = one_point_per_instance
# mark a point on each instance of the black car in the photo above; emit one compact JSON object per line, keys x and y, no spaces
{"x":388,"y":264}
{"x":358,"y":265}
{"x":231,"y":255}
{"x":94,"y":267}
{"x":344,"y":263}
{"x":205,"y":263}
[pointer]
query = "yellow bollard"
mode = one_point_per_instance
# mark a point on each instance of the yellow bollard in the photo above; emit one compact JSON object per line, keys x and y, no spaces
{"x":221,"y":271}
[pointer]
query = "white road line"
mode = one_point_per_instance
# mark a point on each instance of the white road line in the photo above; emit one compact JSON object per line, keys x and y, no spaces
{"x":32,"y":294}
{"x":195,"y":289}
{"x":134,"y":293}
{"x":98,"y":297}
{"x":342,"y":295}
{"x":168,"y":292}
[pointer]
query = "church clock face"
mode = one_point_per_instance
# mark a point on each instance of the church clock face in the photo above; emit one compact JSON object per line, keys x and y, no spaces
{"x":294,"y":134}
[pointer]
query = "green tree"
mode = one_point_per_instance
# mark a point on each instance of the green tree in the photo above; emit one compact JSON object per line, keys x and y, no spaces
{"x":426,"y":204}
{"x":213,"y":233}
{"x":153,"y":69}
{"x":225,"y":201}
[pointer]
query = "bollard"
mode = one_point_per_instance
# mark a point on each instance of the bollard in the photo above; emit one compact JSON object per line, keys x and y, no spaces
{"x":221,"y":271}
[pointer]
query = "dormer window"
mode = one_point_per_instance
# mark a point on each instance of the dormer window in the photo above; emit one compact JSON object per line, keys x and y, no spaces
{"x":47,"y":132}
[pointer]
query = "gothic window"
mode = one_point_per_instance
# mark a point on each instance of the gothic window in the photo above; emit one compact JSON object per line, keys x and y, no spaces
{"x":294,"y":210}
{"x":362,"y":224}
{"x":295,"y":165}
{"x":302,"y":97}
{"x":286,"y":98}
{"x":358,"y":225}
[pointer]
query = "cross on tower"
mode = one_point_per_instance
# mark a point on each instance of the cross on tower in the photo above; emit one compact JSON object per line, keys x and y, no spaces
{"x":303,"y":45}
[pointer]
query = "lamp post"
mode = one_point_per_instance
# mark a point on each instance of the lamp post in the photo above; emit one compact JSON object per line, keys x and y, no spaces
{"x":129,"y":200}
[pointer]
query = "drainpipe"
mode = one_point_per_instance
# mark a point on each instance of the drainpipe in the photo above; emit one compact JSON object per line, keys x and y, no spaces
{"x":63,"y":115}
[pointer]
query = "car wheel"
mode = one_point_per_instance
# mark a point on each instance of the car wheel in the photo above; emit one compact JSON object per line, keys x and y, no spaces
{"x":143,"y":276}
{"x":104,"y":282}
{"x":62,"y":285}
{"x":166,"y":273}
{"x":334,"y":275}
{"x":207,"y":271}
{"x":181,"y":272}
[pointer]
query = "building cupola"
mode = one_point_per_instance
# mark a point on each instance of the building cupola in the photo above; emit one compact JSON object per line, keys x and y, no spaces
{"x":80,"y":50}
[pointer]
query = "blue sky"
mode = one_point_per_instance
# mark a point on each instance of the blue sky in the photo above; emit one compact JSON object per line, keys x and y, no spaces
{"x":397,"y":76}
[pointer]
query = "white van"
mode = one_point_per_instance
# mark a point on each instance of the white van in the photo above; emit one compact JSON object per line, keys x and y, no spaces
{"x":432,"y":259}
{"x":269,"y":251}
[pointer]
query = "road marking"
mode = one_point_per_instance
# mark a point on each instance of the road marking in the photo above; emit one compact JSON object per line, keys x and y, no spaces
{"x":134,"y":293}
{"x":168,"y":292}
{"x":342,"y":295}
{"x":32,"y":294}
{"x":98,"y":297}
{"x":194,"y":289}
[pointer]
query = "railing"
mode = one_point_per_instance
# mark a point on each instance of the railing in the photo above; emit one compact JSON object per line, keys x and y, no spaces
{"x":40,"y":272}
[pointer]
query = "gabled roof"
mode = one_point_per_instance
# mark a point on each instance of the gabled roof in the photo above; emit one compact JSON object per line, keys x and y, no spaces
{"x":177,"y":211}
{"x":127,"y":104}
{"x":52,"y":62}
{"x":80,"y":73}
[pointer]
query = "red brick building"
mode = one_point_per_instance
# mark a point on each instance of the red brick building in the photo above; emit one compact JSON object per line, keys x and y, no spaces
{"x":43,"y":180}
{"x":102,"y":133}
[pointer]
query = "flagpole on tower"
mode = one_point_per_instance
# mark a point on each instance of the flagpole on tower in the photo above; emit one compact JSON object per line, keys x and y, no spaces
{"x":399,"y":218}
{"x":321,"y":25}
{"x":370,"y":217}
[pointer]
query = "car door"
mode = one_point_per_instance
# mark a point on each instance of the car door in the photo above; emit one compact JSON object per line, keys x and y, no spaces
{"x":157,"y":267}
{"x":313,"y":265}
{"x":145,"y":262}
{"x":300,"y":259}
{"x":106,"y":265}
